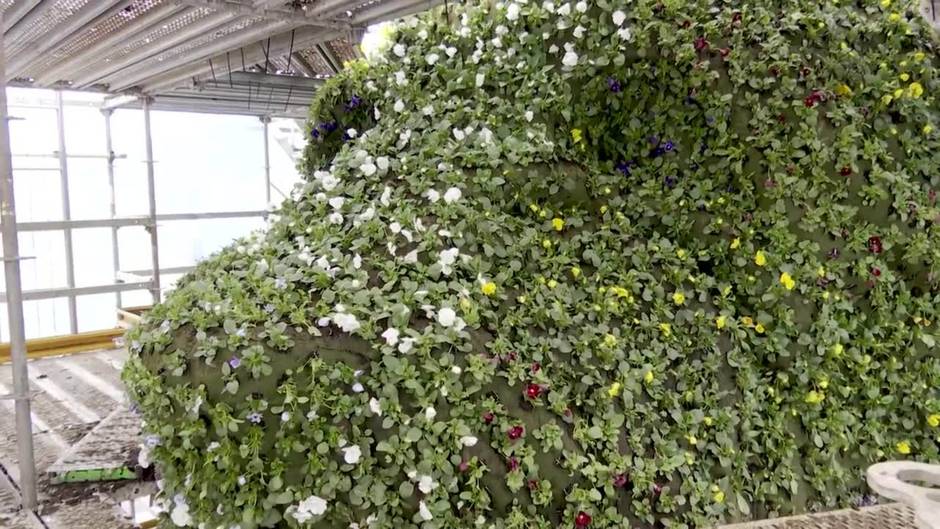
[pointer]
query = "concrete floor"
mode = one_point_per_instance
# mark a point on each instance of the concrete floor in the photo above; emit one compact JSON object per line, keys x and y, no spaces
{"x":71,"y":394}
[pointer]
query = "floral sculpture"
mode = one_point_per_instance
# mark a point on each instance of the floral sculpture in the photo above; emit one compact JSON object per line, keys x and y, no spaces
{"x":574,"y":264}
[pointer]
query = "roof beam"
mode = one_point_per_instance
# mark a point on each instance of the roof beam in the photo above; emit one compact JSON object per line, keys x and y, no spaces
{"x":100,"y":71}
{"x":329,"y":57}
{"x":66,"y":69}
{"x":302,"y":64}
{"x":145,"y":70}
{"x":40,"y":44}
{"x":286,"y":15}
{"x":16,"y":12}
{"x":280,"y":44}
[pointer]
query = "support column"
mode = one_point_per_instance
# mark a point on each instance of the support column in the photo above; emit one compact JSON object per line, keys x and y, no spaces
{"x":265,"y":120}
{"x":115,"y":250}
{"x":66,"y":211}
{"x":11,"y":265}
{"x":152,"y":198}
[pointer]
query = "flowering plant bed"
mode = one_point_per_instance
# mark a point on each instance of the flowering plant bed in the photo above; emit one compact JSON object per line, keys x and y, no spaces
{"x":571,"y":264}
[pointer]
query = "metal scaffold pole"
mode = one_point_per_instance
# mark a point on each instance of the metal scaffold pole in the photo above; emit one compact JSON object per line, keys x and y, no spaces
{"x":115,"y":249}
{"x":152,"y":198}
{"x":265,"y":120}
{"x":14,"y":298}
{"x":66,"y":211}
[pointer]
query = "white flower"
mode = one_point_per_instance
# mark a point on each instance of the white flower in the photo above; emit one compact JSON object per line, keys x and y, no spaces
{"x":452,"y":195}
{"x":395,"y":227}
{"x":391,"y":336}
{"x":399,"y":105}
{"x":335,"y":218}
{"x":423,"y":511}
{"x":549,"y":6}
{"x":411,"y":257}
{"x":352,"y":454}
{"x":579,"y":31}
{"x":399,"y":50}
{"x":428,"y":110}
{"x":553,"y":49}
{"x":382,"y":162}
{"x":619,"y":16}
{"x":432,"y":195}
{"x":308,"y":508}
{"x":423,"y":34}
{"x":430,"y":413}
{"x":512,"y":12}
{"x":143,"y":457}
{"x":468,"y":440}
{"x":357,"y":262}
{"x":357,"y":388}
{"x":352,"y":133}
{"x":180,"y":514}
{"x":529,"y":115}
{"x":570,"y":59}
{"x":456,"y":370}
{"x":285,"y":416}
{"x":479,"y":79}
{"x":459,"y":134}
{"x":400,"y":78}
{"x":432,"y":58}
{"x":451,"y":51}
{"x":375,"y":405}
{"x":624,"y":33}
{"x":426,"y":484}
{"x":446,"y":317}
{"x":323,"y":322}
{"x":565,"y":9}
{"x":346,"y":322}
{"x":367,"y":169}
{"x":406,"y":345}
{"x":446,"y":258}
{"x":336,"y":202}
{"x":581,"y":6}
{"x":386,"y":197}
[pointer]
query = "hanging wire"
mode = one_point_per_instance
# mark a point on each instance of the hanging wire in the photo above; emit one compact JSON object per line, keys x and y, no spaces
{"x":267,"y":57}
{"x":212,"y":69}
{"x":228,"y":60}
{"x":290,"y":52}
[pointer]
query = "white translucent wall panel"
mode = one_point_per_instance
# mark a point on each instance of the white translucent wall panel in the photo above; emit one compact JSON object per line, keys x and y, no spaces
{"x":89,"y":194}
{"x":96,"y":312}
{"x":91,"y":250}
{"x":37,"y":191}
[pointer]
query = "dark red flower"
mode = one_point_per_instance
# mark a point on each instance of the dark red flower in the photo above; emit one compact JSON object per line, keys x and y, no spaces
{"x":513,"y":464}
{"x":700,"y":44}
{"x":876,"y":272}
{"x":582,"y":520}
{"x":620,"y":480}
{"x":736,"y":18}
{"x":774,"y":71}
{"x":533,"y":391}
{"x":874,"y":245}
{"x":781,"y":118}
{"x":932,"y":196}
{"x":463,"y":466}
{"x":845,"y":171}
{"x":657,"y":489}
{"x":488,"y":417}
{"x":724,"y":52}
{"x":516,"y":432}
{"x":536,"y":367}
{"x":533,"y":484}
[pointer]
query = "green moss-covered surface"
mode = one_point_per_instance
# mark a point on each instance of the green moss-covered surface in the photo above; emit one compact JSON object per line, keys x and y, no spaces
{"x":572,"y":264}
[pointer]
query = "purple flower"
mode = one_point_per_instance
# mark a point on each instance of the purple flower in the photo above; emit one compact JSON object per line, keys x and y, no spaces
{"x":234,"y":362}
{"x":152,"y":441}
{"x":254,"y":417}
{"x":669,"y":146}
{"x":657,"y":152}
{"x":314,"y":133}
{"x":354,"y":102}
{"x":624,"y":167}
{"x":328,"y":126}
{"x":614,"y":85}
{"x":670,"y":181}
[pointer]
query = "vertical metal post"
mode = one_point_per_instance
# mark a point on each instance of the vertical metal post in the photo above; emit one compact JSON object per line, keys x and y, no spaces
{"x":152,"y":197}
{"x":116,"y":259}
{"x":265,"y":120}
{"x":11,"y":265}
{"x":66,"y":212}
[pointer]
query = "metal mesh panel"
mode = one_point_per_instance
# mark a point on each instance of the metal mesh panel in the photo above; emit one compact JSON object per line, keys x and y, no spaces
{"x":153,"y":38}
{"x":51,"y":17}
{"x":891,"y":516}
{"x":4,"y":4}
{"x":240,"y":25}
{"x":343,"y":49}
{"x":316,"y":61}
{"x":91,"y":35}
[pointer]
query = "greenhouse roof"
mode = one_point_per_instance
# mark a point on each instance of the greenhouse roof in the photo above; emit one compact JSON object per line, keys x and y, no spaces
{"x":244,"y":56}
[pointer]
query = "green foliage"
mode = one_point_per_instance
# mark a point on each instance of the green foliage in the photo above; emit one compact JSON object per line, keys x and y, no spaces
{"x":645,"y":264}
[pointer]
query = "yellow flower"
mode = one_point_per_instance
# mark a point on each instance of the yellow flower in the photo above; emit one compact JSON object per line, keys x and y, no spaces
{"x":708,"y":421}
{"x":488,"y":288}
{"x":898,"y":93}
{"x":689,"y":458}
{"x":934,"y":420}
{"x":787,"y":281}
{"x":736,"y":243}
{"x":759,"y":328}
{"x":894,"y":17}
{"x":558,"y":224}
{"x":720,"y":322}
{"x":465,"y":304}
{"x":718,"y":496}
{"x":747,"y":321}
{"x":614,"y":389}
{"x":916,"y":89}
{"x":610,"y":340}
{"x":534,"y":208}
{"x":904,"y":76}
{"x":680,"y":253}
{"x":576,"y":272}
{"x":620,"y":291}
{"x":522,"y":299}
{"x":760,"y":259}
{"x":814,"y":397}
{"x":904,"y":448}
{"x":552,"y":283}
{"x":665,"y":328}
{"x":604,"y":209}
{"x":927,"y":129}
{"x":648,"y":377}
{"x":824,"y":383}
{"x":843,"y":90}
{"x":678,"y":298}
{"x":576,"y":135}
{"x":886,"y":99}
{"x":546,"y":244}
{"x":692,"y":440}
{"x":919,"y":56}
{"x":885,"y":3}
